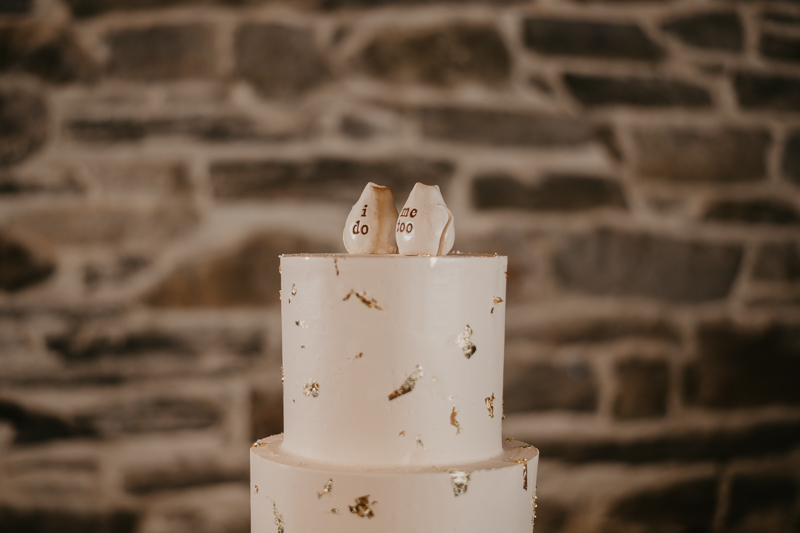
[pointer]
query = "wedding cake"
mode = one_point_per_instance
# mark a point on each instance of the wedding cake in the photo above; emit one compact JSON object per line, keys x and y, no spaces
{"x":393,"y":371}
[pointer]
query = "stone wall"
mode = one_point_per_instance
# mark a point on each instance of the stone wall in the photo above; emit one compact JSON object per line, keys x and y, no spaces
{"x":638,"y":161}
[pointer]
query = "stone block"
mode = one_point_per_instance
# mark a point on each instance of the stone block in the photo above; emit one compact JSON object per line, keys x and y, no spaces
{"x":266,"y":413}
{"x":590,"y":39}
{"x":716,"y":30}
{"x":53,"y":53}
{"x":116,"y":271}
{"x":548,"y":387}
{"x":245,"y":275}
{"x":780,"y":17}
{"x":503,"y":128}
{"x":551,"y":193}
{"x":689,"y":155}
{"x":687,"y":505}
{"x":600,"y":329}
{"x":23,"y":123}
{"x":183,"y":473}
{"x":777,"y":261}
{"x":340,"y":4}
{"x":642,"y":388}
{"x":326,"y":178}
{"x":46,"y":520}
{"x":162,"y":52}
{"x":442,"y":56}
{"x":89,"y":8}
{"x":610,"y":262}
{"x":738,"y":366}
{"x":21,"y":266}
{"x":756,"y":211}
{"x":791,"y":157}
{"x":34,"y":426}
{"x":603,"y":91}
{"x":767,"y":497}
{"x":780,"y":47}
{"x":16,"y":7}
{"x":767,"y":92}
{"x":280,"y":61}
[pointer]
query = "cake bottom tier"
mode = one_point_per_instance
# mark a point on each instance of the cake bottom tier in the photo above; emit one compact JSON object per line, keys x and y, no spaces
{"x":292,"y":495}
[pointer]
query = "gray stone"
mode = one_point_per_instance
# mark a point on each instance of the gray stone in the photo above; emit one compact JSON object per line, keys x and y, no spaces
{"x":51,"y":52}
{"x":791,"y":157}
{"x":615,"y":263}
{"x":182,"y":474}
{"x":718,"y":30}
{"x":780,"y":47}
{"x":602,"y":91}
{"x":777,"y":262}
{"x":592,"y":39}
{"x":47,"y":520}
{"x":442,"y":56}
{"x":771,"y":494}
{"x":687,"y":155}
{"x":642,"y":388}
{"x":266,"y":413}
{"x":162,"y":52}
{"x":23,"y":123}
{"x":767,"y":92}
{"x":281,"y":61}
{"x":755,"y":211}
{"x":22,"y":267}
{"x":600,"y":329}
{"x":150,"y":415}
{"x":551,"y":193}
{"x":744,"y":366}
{"x":547,"y":387}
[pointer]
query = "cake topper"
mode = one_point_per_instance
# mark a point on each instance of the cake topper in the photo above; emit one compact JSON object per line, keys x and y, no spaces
{"x":425,"y":225}
{"x":370,"y":225}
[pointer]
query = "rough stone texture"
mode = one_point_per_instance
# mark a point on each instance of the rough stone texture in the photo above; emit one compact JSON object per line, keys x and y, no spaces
{"x":279,"y":60}
{"x":87,"y":8}
{"x":551,"y":193}
{"x":777,"y":262}
{"x":16,"y":6}
{"x":584,"y":330}
{"x":683,"y":506}
{"x":614,"y":263}
{"x":759,"y":494}
{"x":601,"y":91}
{"x":47,"y":51}
{"x":443,"y":56}
{"x":33,"y":426}
{"x":780,"y":17}
{"x":336,"y":4}
{"x":23,"y":123}
{"x":42,"y":520}
{"x":21,"y":267}
{"x":759,"y":91}
{"x":162,"y":52}
{"x":244,"y":276}
{"x":642,"y":388}
{"x":780,"y":47}
{"x":156,"y":414}
{"x":727,"y":374}
{"x":685,"y":155}
{"x":502,"y":128}
{"x":721,"y":30}
{"x":756,"y":211}
{"x":266,"y":413}
{"x":791,"y":158}
{"x":324,"y":178}
{"x":182,"y":475}
{"x":547,"y":387}
{"x":564,"y":37}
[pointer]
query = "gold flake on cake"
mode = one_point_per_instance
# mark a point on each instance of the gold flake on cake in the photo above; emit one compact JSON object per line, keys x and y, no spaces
{"x":369,"y":302}
{"x":402,"y":433}
{"x":460,"y":481}
{"x":454,"y":422}
{"x":259,"y":443}
{"x":336,"y":265}
{"x":497,"y":300}
{"x":408,"y":384}
{"x":508,"y":439}
{"x":490,"y":405}
{"x":294,"y":292}
{"x":278,"y":517}
{"x":335,"y":511}
{"x":524,"y":447}
{"x":465,"y":343}
{"x":327,"y":489}
{"x":283,"y":375}
{"x":256,"y":489}
{"x":420,"y":443}
{"x":362,"y":507}
{"x":301,"y":324}
{"x":524,"y":462}
{"x":311,"y":388}
{"x":534,"y":505}
{"x":359,"y":355}
{"x":503,"y":409}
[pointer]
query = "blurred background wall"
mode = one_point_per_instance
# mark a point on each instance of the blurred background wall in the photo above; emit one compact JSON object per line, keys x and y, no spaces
{"x":638,"y":161}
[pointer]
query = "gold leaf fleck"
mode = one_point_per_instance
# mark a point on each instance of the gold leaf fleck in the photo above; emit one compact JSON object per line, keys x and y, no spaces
{"x":301,"y":324}
{"x":327,"y":489}
{"x":508,"y":439}
{"x":524,"y":462}
{"x":259,"y":443}
{"x":362,"y":507}
{"x":454,"y":422}
{"x":278,"y":517}
{"x":279,"y":269}
{"x":336,"y":266}
{"x":534,"y":505}
{"x":506,"y":273}
{"x":420,"y":444}
{"x":256,"y":489}
{"x":408,"y":384}
{"x":490,"y":405}
{"x":503,"y":409}
{"x":369,"y":302}
{"x":283,"y":375}
{"x":311,"y":388}
{"x":294,"y":292}
{"x":280,"y":295}
{"x":460,"y":481}
{"x":335,"y":511}
{"x":497,"y":300}
{"x":465,"y":343}
{"x":402,"y":433}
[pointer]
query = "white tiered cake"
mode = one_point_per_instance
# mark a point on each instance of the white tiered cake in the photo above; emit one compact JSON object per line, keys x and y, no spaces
{"x":393,"y":372}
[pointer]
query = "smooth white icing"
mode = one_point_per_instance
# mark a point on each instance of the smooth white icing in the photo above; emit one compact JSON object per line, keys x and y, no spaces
{"x":411,"y":499}
{"x":360,"y":326}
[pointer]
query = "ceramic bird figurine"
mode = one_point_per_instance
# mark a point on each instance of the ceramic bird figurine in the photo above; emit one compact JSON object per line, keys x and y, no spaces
{"x":425,"y":225}
{"x":370,"y":225}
